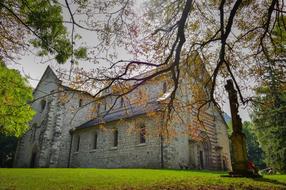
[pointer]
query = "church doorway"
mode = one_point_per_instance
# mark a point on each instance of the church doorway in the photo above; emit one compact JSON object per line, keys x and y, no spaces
{"x":205,"y":155}
{"x":202,"y":160}
{"x":33,"y":162}
{"x":200,"y":152}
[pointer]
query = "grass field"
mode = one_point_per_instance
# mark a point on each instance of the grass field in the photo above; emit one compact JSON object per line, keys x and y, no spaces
{"x":89,"y":179}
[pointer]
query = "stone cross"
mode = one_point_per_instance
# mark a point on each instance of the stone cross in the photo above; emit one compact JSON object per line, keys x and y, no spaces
{"x":238,"y":144}
{"x":236,"y":120}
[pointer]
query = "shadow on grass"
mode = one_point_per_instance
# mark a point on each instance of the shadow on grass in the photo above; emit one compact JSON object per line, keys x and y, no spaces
{"x":260,"y":179}
{"x":272,"y":181}
{"x":194,"y":171}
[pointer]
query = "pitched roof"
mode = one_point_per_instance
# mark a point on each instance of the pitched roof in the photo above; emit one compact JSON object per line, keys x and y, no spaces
{"x":129,"y":111}
{"x":48,"y":69}
{"x":59,"y":82}
{"x":126,"y":112}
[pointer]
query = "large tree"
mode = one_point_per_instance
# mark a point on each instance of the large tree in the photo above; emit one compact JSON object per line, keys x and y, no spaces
{"x":234,"y":39}
{"x":38,"y":23}
{"x":269,"y":108}
{"x":269,"y":113}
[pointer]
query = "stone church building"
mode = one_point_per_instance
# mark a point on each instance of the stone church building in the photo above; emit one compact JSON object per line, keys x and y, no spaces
{"x":73,"y":129}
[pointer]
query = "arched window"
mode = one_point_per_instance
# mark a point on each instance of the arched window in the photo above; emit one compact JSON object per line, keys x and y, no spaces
{"x":43,"y":105}
{"x":34,"y":130}
{"x":115,"y":138}
{"x":142,"y":134}
{"x":80,"y":103}
{"x":95,"y":140}
{"x":77,"y":144}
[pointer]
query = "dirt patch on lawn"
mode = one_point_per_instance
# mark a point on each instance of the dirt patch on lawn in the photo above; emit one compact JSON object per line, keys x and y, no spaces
{"x":186,"y":186}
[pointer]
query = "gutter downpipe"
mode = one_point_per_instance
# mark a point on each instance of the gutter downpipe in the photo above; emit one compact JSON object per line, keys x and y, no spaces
{"x":70,"y":149}
{"x":162,"y":143}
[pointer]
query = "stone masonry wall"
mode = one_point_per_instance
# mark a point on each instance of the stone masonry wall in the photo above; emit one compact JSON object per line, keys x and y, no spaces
{"x":35,"y":140}
{"x":128,"y":153}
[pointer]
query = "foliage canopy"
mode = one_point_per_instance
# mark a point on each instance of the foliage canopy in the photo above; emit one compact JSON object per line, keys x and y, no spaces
{"x":235,"y":39}
{"x":15,"y":93}
{"x":39,"y":23}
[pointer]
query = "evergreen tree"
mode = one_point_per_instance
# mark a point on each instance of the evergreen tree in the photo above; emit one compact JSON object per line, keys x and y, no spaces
{"x":270,"y":106}
{"x":254,"y":151}
{"x":269,"y":118}
{"x":8,"y":146}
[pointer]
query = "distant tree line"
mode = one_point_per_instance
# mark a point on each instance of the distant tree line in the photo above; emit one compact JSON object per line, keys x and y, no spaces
{"x":8,"y":146}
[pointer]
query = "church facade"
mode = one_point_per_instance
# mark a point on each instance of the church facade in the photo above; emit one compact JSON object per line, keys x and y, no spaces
{"x":73,"y":129}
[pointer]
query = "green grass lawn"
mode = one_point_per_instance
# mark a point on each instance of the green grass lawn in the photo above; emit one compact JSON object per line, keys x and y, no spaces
{"x":89,"y":179}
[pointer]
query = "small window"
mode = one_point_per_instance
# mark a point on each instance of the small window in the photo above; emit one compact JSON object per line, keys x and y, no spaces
{"x":77,"y":144}
{"x":43,"y":105}
{"x":98,"y":108}
{"x":115,"y":138}
{"x":121,"y":102}
{"x":80,"y":103}
{"x":95,"y":141}
{"x":142,"y":134}
{"x":34,"y":130}
{"x":164,"y":87}
{"x":105,"y":105}
{"x":34,"y":125}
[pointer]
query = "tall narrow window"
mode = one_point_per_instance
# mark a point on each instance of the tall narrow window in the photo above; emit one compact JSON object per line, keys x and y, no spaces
{"x":201,"y":160}
{"x":34,"y":130}
{"x":164,"y":87}
{"x":80,"y":103}
{"x":115,"y":138}
{"x":142,"y":134}
{"x":95,"y":141}
{"x":43,"y":105}
{"x":77,"y":144}
{"x":105,"y":105}
{"x":98,"y":108}
{"x":121,"y":102}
